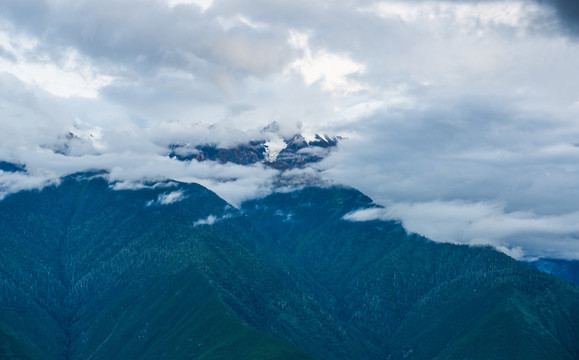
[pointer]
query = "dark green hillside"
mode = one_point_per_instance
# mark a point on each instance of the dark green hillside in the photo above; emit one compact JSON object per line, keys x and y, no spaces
{"x":91,"y":273}
{"x":412,"y":298}
{"x":171,"y":271}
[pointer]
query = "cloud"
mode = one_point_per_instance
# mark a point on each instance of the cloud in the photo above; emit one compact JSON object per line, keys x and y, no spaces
{"x":468,"y":106}
{"x":477,"y":223}
{"x":568,"y":12}
{"x":168,"y":198}
{"x":368,"y":214}
{"x":29,"y":116}
{"x":150,"y":34}
{"x":11,"y":182}
{"x":211,"y":219}
{"x":70,"y":76}
{"x":466,"y":15}
{"x":203,"y":4}
{"x":330,"y":69}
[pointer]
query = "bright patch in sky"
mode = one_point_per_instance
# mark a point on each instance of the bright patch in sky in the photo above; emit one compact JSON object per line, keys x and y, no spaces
{"x":332,"y":70}
{"x":228,"y":23}
{"x":203,"y":4}
{"x":71,"y":76}
{"x":482,"y":14}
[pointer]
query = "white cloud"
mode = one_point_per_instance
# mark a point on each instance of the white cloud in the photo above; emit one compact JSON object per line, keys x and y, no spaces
{"x":477,"y":223}
{"x":368,"y":214}
{"x":14,"y":182}
{"x":211,"y":219}
{"x":228,"y":23}
{"x":453,"y":102}
{"x":332,"y":70}
{"x":203,"y":4}
{"x":71,"y":76}
{"x":467,"y":15}
{"x":170,"y":198}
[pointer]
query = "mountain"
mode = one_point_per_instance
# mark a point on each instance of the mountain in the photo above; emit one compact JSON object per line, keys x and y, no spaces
{"x":12,"y":167}
{"x":295,"y":152}
{"x":565,"y":269}
{"x":411,"y":298}
{"x":92,"y":273}
{"x":172,"y":271}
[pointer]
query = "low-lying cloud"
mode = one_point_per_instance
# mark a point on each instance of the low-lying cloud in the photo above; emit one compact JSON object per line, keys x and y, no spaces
{"x":211,"y":219}
{"x":484,"y":223}
{"x":168,"y":198}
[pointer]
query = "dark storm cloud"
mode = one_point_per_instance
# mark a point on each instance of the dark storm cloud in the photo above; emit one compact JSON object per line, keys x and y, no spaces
{"x":568,"y":12}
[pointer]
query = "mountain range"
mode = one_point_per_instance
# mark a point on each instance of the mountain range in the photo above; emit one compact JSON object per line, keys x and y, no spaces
{"x":294,"y":152}
{"x":565,"y":269}
{"x":172,"y":271}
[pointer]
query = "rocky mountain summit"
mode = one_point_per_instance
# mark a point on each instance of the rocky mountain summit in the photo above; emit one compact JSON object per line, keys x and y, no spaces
{"x":295,"y":152}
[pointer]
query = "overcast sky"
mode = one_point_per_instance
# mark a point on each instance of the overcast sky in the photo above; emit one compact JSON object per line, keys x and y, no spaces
{"x":460,"y":117}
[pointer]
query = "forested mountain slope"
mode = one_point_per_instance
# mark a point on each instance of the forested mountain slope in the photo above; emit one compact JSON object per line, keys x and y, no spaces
{"x":172,"y":271}
{"x":413,"y":298}
{"x":92,"y":273}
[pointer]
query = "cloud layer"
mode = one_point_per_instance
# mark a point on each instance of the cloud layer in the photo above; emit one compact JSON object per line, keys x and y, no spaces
{"x":460,"y":117}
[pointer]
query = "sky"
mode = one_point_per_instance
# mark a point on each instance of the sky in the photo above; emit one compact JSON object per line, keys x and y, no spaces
{"x":461,"y":118}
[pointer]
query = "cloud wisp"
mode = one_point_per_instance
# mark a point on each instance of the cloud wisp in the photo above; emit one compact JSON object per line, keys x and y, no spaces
{"x":211,"y":219}
{"x":168,"y":198}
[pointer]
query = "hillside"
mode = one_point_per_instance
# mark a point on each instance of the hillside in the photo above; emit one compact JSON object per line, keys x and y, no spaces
{"x":172,"y":271}
{"x":91,"y":273}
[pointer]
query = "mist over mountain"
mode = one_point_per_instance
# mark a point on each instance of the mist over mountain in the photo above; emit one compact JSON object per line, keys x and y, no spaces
{"x":170,"y":270}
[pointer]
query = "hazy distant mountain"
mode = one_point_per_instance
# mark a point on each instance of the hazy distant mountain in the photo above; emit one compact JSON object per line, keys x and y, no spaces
{"x":566,"y":269}
{"x":171,"y":271}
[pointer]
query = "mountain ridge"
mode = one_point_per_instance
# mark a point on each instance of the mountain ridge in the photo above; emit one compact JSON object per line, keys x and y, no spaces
{"x":294,"y":152}
{"x":565,"y":269}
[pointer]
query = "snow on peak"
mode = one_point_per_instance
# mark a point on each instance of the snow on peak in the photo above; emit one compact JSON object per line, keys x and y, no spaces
{"x":273,"y":148}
